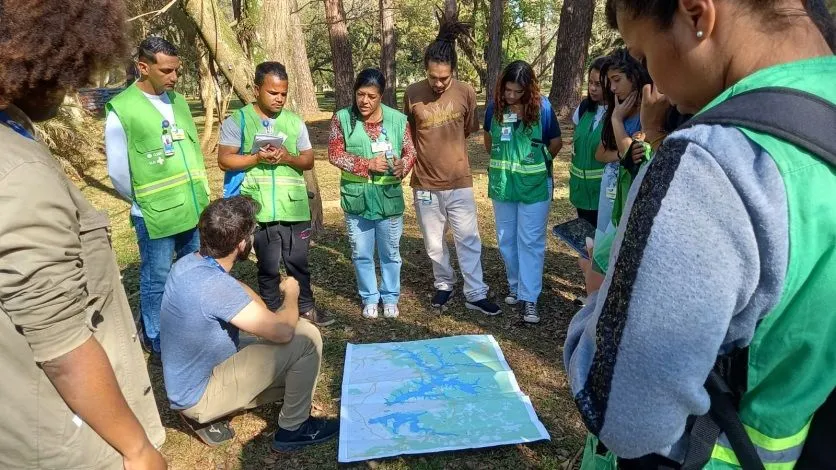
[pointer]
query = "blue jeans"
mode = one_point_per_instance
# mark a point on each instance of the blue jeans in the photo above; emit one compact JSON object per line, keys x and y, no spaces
{"x":155,"y":259}
{"x":364,"y":234}
{"x":521,"y":235}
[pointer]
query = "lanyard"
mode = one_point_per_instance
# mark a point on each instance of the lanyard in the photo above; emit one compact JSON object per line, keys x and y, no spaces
{"x":215,"y":263}
{"x":14,"y":125}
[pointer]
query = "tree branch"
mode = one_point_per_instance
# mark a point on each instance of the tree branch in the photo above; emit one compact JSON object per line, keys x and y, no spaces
{"x":155,"y":13}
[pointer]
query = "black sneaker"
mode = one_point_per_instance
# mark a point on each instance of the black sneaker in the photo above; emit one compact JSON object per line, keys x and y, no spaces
{"x":312,"y":431}
{"x":212,"y":434}
{"x":318,"y":317}
{"x":529,"y":312}
{"x":485,"y":306}
{"x":441,"y":298}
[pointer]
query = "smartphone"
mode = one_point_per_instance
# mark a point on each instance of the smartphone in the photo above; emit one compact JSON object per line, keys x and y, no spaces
{"x":574,"y":233}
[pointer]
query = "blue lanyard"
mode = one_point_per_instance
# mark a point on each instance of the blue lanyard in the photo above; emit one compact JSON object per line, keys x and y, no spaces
{"x":215,"y":263}
{"x":14,"y":125}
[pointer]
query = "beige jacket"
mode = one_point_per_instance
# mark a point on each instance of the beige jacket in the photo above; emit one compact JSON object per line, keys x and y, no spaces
{"x":59,"y":284}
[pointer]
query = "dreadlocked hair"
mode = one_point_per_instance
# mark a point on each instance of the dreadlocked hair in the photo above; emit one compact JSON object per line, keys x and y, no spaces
{"x":443,"y":49}
{"x":521,"y":73}
{"x":621,"y":61}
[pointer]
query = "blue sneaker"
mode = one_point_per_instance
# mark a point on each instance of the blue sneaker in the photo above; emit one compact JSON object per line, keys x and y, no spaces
{"x":312,"y":431}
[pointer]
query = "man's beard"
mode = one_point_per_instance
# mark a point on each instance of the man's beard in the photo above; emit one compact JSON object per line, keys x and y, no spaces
{"x":243,"y":255}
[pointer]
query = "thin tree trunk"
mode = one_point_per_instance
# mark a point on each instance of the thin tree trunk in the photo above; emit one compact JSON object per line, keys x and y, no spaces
{"x":207,"y":97}
{"x":280,"y":37}
{"x":573,"y":35}
{"x":451,"y":9}
{"x":340,"y":53}
{"x":494,"y":55}
{"x":387,"y":52}
{"x":219,"y":38}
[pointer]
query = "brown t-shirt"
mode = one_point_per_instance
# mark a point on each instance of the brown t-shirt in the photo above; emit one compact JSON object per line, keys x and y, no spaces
{"x":440,"y":126}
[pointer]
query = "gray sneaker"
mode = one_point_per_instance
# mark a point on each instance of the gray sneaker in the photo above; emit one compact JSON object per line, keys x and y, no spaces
{"x":529,"y":311}
{"x":318,"y":317}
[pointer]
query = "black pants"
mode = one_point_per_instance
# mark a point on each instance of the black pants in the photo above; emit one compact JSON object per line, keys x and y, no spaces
{"x":589,"y":216}
{"x":286,"y":242}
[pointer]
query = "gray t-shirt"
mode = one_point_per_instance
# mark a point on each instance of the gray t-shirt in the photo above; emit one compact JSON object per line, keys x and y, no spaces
{"x":231,"y":135}
{"x":196,"y":335}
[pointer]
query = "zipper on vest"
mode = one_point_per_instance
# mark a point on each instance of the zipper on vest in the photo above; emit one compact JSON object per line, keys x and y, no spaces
{"x":273,"y":171}
{"x":191,"y":181}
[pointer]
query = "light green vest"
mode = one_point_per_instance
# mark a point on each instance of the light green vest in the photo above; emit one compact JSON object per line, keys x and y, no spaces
{"x":381,"y":195}
{"x":280,"y":189}
{"x":171,"y":191}
{"x":793,"y":353}
{"x":518,"y":171}
{"x":585,"y":172}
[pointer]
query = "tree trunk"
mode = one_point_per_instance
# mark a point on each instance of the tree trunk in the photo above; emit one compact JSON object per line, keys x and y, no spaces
{"x":451,"y":9}
{"x":573,"y":35}
{"x":274,"y":16}
{"x":387,"y":52}
{"x":223,"y":46}
{"x":340,"y":53}
{"x":208,"y":92}
{"x":494,"y":55}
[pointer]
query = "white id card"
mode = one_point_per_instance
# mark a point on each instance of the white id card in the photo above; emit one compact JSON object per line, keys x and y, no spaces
{"x":178,"y":134}
{"x":425,"y":197}
{"x":509,"y":118}
{"x":505,"y":135}
{"x":381,"y":147}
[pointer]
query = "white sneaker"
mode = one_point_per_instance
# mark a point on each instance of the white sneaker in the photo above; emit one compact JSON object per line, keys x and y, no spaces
{"x":391,"y":311}
{"x":370,"y":311}
{"x":511,"y":299}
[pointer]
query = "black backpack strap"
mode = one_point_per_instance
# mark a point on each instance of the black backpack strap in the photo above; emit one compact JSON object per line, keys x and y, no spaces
{"x":800,"y":118}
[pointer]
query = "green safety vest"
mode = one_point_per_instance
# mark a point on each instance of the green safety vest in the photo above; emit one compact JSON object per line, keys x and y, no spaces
{"x":518,"y":171}
{"x":380,"y":196}
{"x":280,"y":189}
{"x":171,"y":191}
{"x":585,"y":172}
{"x":791,"y":358}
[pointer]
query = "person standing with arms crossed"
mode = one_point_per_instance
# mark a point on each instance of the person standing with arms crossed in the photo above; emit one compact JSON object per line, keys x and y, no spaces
{"x":273,"y":177}
{"x":442,"y":114}
{"x":154,"y":160}
{"x":76,"y":392}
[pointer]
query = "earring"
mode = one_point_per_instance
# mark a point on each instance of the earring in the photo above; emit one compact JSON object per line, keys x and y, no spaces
{"x":700,"y":34}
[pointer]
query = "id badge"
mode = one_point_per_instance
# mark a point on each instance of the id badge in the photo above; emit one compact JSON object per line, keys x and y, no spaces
{"x":425,"y":197}
{"x":178,"y":134}
{"x":381,"y":147}
{"x":509,"y":118}
{"x":505,"y":135}
{"x":168,"y":145}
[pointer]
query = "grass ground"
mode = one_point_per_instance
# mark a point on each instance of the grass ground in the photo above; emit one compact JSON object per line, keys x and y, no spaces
{"x":534,"y":352}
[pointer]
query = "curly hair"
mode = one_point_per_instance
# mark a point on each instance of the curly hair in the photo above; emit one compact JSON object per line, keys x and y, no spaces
{"x":521,"y":73}
{"x":45,"y":44}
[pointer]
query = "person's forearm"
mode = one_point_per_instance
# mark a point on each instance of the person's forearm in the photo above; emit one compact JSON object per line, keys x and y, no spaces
{"x":85,"y":380}
{"x":487,"y":142}
{"x":303,"y":162}
{"x":236,"y":162}
{"x":606,"y":156}
{"x":622,"y":140}
{"x":554,"y":146}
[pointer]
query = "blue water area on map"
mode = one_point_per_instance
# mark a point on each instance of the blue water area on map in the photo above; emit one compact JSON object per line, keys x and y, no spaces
{"x":394,"y":421}
{"x":439,"y":381}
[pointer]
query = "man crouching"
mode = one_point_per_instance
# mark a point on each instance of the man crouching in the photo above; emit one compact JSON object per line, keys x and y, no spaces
{"x":208,"y":373}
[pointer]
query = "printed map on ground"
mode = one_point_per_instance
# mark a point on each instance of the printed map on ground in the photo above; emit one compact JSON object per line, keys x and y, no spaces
{"x":430,"y":396}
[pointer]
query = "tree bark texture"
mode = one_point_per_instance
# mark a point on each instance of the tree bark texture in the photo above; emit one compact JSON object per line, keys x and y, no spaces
{"x":494,"y":53}
{"x":208,"y":93}
{"x":279,"y":34}
{"x":340,"y":52}
{"x":573,"y":35}
{"x":223,"y":45}
{"x":451,"y":9}
{"x":387,"y":52}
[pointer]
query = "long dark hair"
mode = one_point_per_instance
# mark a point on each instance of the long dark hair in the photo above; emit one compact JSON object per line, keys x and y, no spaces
{"x":587,"y":104}
{"x":443,"y":49}
{"x":368,"y":77}
{"x":621,"y":61}
{"x":521,"y":73}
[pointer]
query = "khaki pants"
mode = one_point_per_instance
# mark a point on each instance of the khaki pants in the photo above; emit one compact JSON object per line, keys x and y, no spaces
{"x":264,"y":373}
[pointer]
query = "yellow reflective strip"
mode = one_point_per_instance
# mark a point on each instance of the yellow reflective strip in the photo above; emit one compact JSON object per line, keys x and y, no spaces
{"x":528,"y":169}
{"x":724,"y":455}
{"x":164,"y":180}
{"x":780,"y":444}
{"x":149,"y":191}
{"x":500,"y":164}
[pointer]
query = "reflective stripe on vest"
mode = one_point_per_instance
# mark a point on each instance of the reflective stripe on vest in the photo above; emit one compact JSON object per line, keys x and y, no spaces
{"x":776,"y":454}
{"x":586,"y":174}
{"x":376,"y":179}
{"x":515,"y":167}
{"x":278,"y":180}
